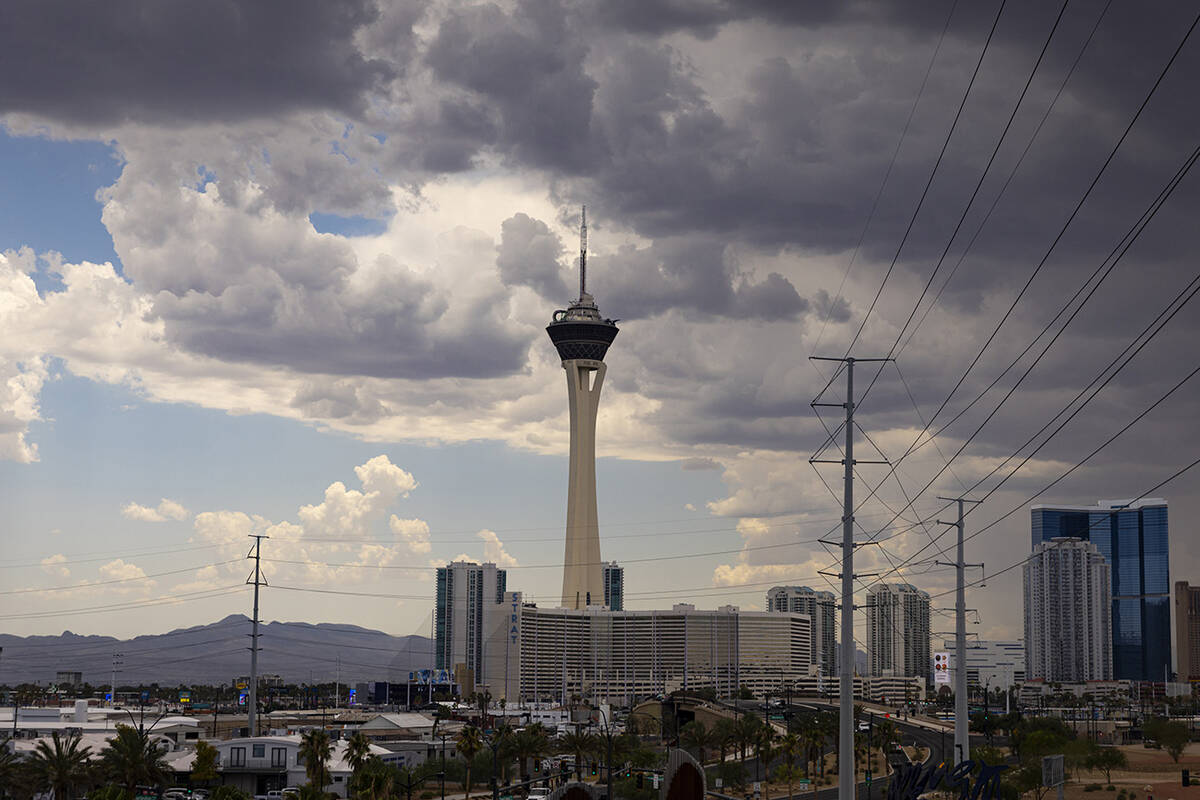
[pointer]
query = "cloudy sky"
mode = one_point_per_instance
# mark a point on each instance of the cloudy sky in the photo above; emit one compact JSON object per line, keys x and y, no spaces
{"x":286,"y":270}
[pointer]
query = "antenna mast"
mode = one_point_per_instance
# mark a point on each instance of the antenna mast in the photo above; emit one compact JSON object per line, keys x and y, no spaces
{"x":583,"y":255}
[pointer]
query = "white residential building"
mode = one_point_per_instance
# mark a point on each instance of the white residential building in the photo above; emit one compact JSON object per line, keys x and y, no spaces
{"x":554,"y":653}
{"x":1068,"y":617}
{"x":467,"y":601}
{"x":817,"y":606}
{"x":998,"y":665}
{"x":897,"y":631}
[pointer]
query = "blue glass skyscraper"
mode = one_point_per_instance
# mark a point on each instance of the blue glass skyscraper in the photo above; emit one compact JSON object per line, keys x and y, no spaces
{"x":1132,"y":537}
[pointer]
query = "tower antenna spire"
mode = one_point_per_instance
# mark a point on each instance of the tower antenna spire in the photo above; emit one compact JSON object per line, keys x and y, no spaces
{"x":583,"y":255}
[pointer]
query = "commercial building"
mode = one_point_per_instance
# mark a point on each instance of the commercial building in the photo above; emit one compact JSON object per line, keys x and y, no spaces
{"x":552,"y":654}
{"x":1132,"y":538}
{"x":820,"y":608}
{"x":468,"y":598}
{"x":1068,"y":623}
{"x":1187,"y":632}
{"x":897,"y":631}
{"x":68,"y":678}
{"x":614,"y":586}
{"x":582,"y":338}
{"x":998,"y":665}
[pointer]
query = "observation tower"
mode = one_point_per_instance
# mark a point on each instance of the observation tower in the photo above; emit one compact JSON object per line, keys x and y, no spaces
{"x":582,"y":338}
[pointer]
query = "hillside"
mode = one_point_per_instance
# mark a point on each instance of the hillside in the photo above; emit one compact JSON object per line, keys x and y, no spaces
{"x":217,"y":653}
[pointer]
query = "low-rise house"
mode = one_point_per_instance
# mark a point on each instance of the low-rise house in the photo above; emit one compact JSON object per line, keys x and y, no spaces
{"x":260,"y":764}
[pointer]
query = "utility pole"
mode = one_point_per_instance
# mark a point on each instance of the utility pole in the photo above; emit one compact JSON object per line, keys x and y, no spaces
{"x":116,"y":667}
{"x":846,"y":769}
{"x":962,"y":747}
{"x":258,"y":580}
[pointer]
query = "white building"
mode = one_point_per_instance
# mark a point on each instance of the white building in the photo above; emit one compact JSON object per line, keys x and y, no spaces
{"x":1068,"y":618}
{"x":817,"y":606}
{"x":555,"y":653}
{"x":260,"y":764}
{"x":998,"y":665}
{"x":468,"y":598}
{"x":897,"y":631}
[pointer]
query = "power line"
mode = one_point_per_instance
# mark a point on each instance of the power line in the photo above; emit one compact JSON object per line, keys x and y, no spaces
{"x":925,"y":192}
{"x":886,"y":175}
{"x":88,"y":584}
{"x":1041,"y":263}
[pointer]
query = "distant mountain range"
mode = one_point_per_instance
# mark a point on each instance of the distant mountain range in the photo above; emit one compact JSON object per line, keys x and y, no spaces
{"x":217,"y":653}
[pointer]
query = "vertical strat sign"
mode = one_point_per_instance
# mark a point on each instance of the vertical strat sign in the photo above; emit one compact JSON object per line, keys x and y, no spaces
{"x":582,"y":337}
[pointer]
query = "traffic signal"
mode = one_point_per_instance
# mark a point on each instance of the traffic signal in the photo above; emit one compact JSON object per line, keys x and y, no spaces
{"x":537,"y":766}
{"x":628,"y":772}
{"x":640,"y":780}
{"x":593,"y":767}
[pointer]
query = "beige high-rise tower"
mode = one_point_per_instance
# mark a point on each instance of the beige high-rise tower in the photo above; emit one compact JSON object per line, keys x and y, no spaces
{"x":582,"y":338}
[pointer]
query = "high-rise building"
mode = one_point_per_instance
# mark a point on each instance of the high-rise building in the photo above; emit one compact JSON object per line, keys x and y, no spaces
{"x":1187,"y":632}
{"x":898,"y":631}
{"x":468,"y":600}
{"x":1132,"y":537}
{"x":614,"y":586}
{"x":582,"y":337}
{"x":540,"y":654}
{"x":1068,"y":622}
{"x":820,"y":608}
{"x":996,"y":665}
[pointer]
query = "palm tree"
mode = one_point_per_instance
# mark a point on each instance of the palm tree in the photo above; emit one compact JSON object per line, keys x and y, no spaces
{"x":316,"y":750}
{"x":470,"y":742}
{"x":132,"y":757}
{"x":724,"y":733}
{"x":747,"y":732}
{"x":694,"y":736}
{"x":578,"y":744}
{"x":358,"y":750}
{"x":530,"y":743}
{"x":62,"y":766}
{"x":764,"y":746}
{"x":374,"y":779}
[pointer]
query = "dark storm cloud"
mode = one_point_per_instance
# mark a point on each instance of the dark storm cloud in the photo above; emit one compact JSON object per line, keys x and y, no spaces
{"x":173,"y":61}
{"x":694,"y":274}
{"x":529,"y":255}
{"x":534,"y":81}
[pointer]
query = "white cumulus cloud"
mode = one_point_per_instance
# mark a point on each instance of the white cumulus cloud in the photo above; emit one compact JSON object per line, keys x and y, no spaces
{"x":165,"y":510}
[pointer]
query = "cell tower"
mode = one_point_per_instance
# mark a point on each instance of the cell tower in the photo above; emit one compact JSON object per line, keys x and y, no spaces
{"x":582,"y":338}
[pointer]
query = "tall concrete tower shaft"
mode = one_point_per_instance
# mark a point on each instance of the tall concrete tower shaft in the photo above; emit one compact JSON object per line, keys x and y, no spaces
{"x":582,"y":338}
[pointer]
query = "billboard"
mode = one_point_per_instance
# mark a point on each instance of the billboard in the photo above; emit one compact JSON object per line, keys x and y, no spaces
{"x":941,"y":667}
{"x":425,"y":677}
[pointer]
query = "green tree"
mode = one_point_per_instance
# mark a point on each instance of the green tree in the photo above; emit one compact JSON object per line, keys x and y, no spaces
{"x":747,"y":732}
{"x":469,"y":743}
{"x":132,"y":757}
{"x":578,"y":744}
{"x":789,"y":774}
{"x":204,"y":765}
{"x":724,"y":734}
{"x":373,"y":780}
{"x":764,"y":747}
{"x":316,"y":750}
{"x":110,"y":792}
{"x":60,"y":765}
{"x":358,"y":751}
{"x":1106,"y":759}
{"x":529,"y":744}
{"x":1173,"y":736}
{"x":697,"y":738}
